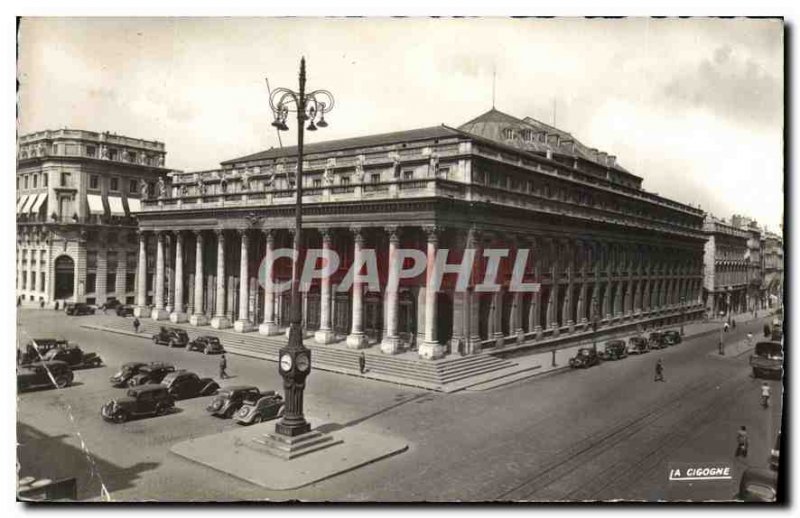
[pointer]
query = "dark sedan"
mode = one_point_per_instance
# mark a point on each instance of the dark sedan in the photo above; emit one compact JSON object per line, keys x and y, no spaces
{"x":53,"y":374}
{"x":656,"y":340}
{"x":230,"y":399}
{"x":184,"y":384}
{"x":172,"y":337}
{"x":638,"y":345}
{"x":672,"y":337}
{"x":150,"y":373}
{"x":613,"y":350}
{"x":586,"y":357}
{"x":206,"y":345}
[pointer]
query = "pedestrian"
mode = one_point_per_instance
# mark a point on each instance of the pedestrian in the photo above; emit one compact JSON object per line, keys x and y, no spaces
{"x":733,"y":323}
{"x":362,"y":363}
{"x":136,"y":325}
{"x":659,"y":371}
{"x":742,"y":442}
{"x":19,"y":301}
{"x":56,"y":305}
{"x":41,"y":304}
{"x":765,"y":392}
{"x":750,"y":339}
{"x":767,"y":330}
{"x":223,"y":364}
{"x":725,"y":327}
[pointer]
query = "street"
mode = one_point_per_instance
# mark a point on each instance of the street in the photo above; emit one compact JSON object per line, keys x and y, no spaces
{"x":608,"y":432}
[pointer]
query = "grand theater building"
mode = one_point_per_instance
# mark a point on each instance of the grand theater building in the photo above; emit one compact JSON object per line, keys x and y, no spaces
{"x":603,"y":249}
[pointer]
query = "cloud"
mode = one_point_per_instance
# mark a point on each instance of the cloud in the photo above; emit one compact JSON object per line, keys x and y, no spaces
{"x":731,"y":86}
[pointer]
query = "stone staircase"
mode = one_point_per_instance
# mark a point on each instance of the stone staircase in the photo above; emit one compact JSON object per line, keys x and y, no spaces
{"x":433,"y":375}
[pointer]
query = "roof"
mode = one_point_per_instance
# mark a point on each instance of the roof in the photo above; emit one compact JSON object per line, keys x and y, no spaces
{"x":147,"y":388}
{"x":381,"y":139}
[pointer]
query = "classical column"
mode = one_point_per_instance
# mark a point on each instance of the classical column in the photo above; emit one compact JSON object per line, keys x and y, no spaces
{"x":496,"y":317}
{"x":169,"y":274}
{"x":141,"y":278}
{"x":431,"y":349}
{"x":243,"y":323}
{"x":472,"y":310}
{"x":198,"y":317}
{"x":325,"y":334}
{"x":567,"y":317}
{"x":269,"y":326}
{"x":391,"y":341}
{"x":516,"y":318}
{"x":220,"y":320}
{"x":178,"y":313}
{"x":607,"y":307}
{"x":159,"y":313}
{"x":357,"y":339}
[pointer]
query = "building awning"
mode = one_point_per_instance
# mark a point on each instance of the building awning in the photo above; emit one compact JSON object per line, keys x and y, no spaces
{"x":115,"y":204}
{"x":28,"y":204}
{"x":95,"y":204}
{"x":21,"y":203}
{"x":134,"y":205}
{"x":38,"y":203}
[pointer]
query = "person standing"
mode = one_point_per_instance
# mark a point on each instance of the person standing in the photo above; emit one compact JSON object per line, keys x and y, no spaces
{"x":725,"y":327}
{"x":223,"y":364}
{"x":56,"y":305}
{"x":742,"y":442}
{"x":659,"y":371}
{"x":19,"y":301}
{"x":136,"y":324}
{"x":41,"y":304}
{"x":765,"y":393}
{"x":362,"y":363}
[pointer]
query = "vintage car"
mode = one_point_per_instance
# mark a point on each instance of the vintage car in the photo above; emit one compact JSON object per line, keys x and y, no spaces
{"x":150,"y":373}
{"x":124,"y":311}
{"x":78,"y":308}
{"x":74,"y":356}
{"x":758,"y":485}
{"x":44,"y":374}
{"x":613,"y":350}
{"x":585,"y":357}
{"x":36,"y":349}
{"x":656,"y":340}
{"x":672,"y":337}
{"x":269,"y":406}
{"x":767,"y":359}
{"x":230,"y":399}
{"x":183,"y":384}
{"x":205,"y":344}
{"x":638,"y":345}
{"x":172,"y":337}
{"x":147,"y":400}
{"x":112,"y":304}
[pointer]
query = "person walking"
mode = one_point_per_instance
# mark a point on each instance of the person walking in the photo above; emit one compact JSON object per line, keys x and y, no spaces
{"x":362,"y":363}
{"x":56,"y":305}
{"x":41,"y":304}
{"x":659,"y":371}
{"x":765,"y":393}
{"x":19,"y":301}
{"x":725,"y":327}
{"x":742,"y":442}
{"x":223,"y":364}
{"x":733,"y":323}
{"x":136,"y":325}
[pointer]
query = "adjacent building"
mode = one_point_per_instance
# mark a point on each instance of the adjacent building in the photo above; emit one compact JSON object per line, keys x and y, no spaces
{"x":772,"y":245}
{"x":604,"y":249}
{"x":727,"y":267}
{"x":77,"y":196}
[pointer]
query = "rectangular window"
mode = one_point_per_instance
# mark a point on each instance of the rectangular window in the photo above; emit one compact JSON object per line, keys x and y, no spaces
{"x":114,"y":184}
{"x":91,"y":151}
{"x":132,"y":185}
{"x":130,"y":282}
{"x":44,"y":180}
{"x":94,"y":182}
{"x":91,"y":282}
{"x":24,"y":279}
{"x":65,"y":180}
{"x":345,"y":180}
{"x":111,"y":261}
{"x":375,"y":178}
{"x":408,"y":175}
{"x":25,"y":183}
{"x":111,"y":283}
{"x":132,"y":156}
{"x":130,"y":260}
{"x":91,"y":259}
{"x":41,"y":280}
{"x":316,"y":182}
{"x":112,"y":154}
{"x":443,"y":172}
{"x":35,"y":180}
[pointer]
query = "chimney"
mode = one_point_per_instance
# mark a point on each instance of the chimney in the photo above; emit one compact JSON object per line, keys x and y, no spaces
{"x":612,"y":160}
{"x":602,"y":157}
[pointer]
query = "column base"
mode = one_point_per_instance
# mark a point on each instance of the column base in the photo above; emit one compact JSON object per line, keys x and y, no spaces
{"x":324,"y":336}
{"x":520,"y":336}
{"x":141,"y":312}
{"x":159,"y":314}
{"x":169,"y":309}
{"x":391,"y":345}
{"x":431,"y":350}
{"x":243,"y":326}
{"x":499,"y":340}
{"x":357,"y":341}
{"x":198,"y":320}
{"x":178,"y":318}
{"x":538,"y":330}
{"x":269,"y":328}
{"x":220,"y":322}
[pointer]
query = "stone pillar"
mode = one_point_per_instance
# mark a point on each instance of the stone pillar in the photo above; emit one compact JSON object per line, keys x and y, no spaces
{"x":357,"y":339}
{"x":198,"y":317}
{"x":472,"y":310}
{"x":141,"y":309}
{"x":325,"y":334}
{"x":159,"y":312}
{"x":220,"y":320}
{"x":269,"y":326}
{"x":516,"y":318}
{"x":391,"y":341}
{"x":243,"y":323}
{"x":178,"y":313}
{"x":496,"y":318}
{"x":431,"y":349}
{"x":169,"y":274}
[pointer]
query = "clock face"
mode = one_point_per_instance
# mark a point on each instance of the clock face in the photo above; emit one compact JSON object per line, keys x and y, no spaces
{"x":302,"y":363}
{"x":286,"y":362}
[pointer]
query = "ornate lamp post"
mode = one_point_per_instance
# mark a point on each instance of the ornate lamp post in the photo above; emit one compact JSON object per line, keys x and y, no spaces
{"x":294,"y":362}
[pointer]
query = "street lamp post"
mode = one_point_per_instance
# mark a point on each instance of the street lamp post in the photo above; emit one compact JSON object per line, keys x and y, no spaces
{"x":294,"y":360}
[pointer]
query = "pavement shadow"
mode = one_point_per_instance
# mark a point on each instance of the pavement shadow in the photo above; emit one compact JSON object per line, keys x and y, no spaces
{"x":333,"y":427}
{"x":50,"y":456}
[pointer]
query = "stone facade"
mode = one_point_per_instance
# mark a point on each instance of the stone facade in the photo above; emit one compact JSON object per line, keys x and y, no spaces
{"x":727,"y":268}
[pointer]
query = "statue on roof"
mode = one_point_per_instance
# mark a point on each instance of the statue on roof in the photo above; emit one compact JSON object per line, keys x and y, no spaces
{"x":246,"y":179}
{"x":162,"y":187}
{"x":144,"y":189}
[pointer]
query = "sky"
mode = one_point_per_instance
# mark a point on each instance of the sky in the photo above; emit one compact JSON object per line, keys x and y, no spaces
{"x":694,"y":106}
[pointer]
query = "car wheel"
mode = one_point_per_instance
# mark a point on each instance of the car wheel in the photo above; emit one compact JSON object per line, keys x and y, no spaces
{"x":120,"y":417}
{"x":257,"y":419}
{"x":171,"y":343}
{"x":161,"y":410}
{"x":206,"y":351}
{"x":62,"y":382}
{"x":155,"y":340}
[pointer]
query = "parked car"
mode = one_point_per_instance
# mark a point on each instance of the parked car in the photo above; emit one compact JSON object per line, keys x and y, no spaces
{"x":206,"y":344}
{"x":672,"y":337}
{"x":172,"y":336}
{"x":269,"y":406}
{"x":656,"y":340}
{"x":613,"y":350}
{"x":78,"y":308}
{"x":44,"y":374}
{"x":775,"y":454}
{"x":183,"y":384}
{"x":767,"y":359}
{"x":74,"y":356}
{"x":124,"y":311}
{"x":147,"y":400}
{"x":150,"y":373}
{"x":230,"y":399}
{"x":638,"y":345}
{"x":758,"y":485}
{"x":112,"y":304}
{"x":585,"y":357}
{"x":38,"y":347}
